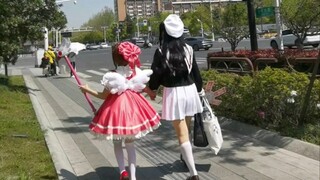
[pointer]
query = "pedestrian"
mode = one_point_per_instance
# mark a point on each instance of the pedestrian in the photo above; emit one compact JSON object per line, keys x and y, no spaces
{"x":49,"y":54}
{"x":72,"y":57}
{"x":174,"y":67}
{"x":125,"y":114}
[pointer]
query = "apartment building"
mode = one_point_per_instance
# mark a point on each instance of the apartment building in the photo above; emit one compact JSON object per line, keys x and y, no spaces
{"x":147,"y":8}
{"x":134,"y":8}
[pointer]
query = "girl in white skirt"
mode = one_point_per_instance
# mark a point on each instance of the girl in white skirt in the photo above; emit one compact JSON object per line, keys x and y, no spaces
{"x":175,"y":68}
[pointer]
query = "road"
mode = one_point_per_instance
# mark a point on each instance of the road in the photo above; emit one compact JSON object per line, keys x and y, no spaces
{"x":92,"y":64}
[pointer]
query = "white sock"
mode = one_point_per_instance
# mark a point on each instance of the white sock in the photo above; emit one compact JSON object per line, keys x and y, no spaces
{"x":117,"y":147}
{"x":131,"y":159}
{"x":186,"y":151}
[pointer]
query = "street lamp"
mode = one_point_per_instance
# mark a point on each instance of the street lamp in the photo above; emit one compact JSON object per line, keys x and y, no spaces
{"x":279,"y":24}
{"x":138,"y":33}
{"x":201,"y":27}
{"x":211,"y":21}
{"x":61,"y":1}
{"x":104,"y":33}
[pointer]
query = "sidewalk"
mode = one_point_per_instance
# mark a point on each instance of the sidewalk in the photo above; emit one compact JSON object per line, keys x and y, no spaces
{"x":64,"y":116}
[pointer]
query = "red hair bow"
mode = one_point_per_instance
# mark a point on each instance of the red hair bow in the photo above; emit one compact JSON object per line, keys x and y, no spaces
{"x":130,"y":53}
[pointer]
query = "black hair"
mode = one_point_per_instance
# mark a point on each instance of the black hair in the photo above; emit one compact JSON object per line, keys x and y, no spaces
{"x":176,"y":47}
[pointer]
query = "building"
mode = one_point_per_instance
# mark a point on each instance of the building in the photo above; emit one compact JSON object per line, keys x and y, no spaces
{"x":147,"y":8}
{"x":136,"y":8}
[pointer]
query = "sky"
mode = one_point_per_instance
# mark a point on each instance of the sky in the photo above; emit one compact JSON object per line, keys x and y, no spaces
{"x":79,"y":13}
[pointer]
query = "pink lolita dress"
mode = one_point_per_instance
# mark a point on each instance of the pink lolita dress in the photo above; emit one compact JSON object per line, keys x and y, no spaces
{"x":125,"y":113}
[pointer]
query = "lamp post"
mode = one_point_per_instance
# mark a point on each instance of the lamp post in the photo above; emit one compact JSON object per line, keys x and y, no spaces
{"x":62,"y":1}
{"x":138,"y":33}
{"x":201,"y":27}
{"x":212,"y":33}
{"x":57,"y":32}
{"x":279,"y":24}
{"x":104,"y":33}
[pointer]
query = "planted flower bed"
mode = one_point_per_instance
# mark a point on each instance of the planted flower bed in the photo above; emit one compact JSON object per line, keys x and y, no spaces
{"x":294,"y":59}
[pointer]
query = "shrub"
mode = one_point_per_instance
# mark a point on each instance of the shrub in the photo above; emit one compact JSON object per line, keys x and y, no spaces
{"x":270,"y":99}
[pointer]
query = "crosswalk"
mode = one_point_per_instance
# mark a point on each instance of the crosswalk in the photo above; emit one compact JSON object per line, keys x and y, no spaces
{"x":101,"y":71}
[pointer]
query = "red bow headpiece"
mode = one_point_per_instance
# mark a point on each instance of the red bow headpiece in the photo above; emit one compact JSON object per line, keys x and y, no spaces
{"x":130,"y":53}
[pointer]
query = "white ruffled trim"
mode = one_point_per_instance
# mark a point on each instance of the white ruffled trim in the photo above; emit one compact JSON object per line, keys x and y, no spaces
{"x":119,"y":137}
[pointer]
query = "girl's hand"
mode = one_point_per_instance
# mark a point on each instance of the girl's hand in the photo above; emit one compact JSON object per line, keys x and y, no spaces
{"x":152,"y":95}
{"x":84,"y":88}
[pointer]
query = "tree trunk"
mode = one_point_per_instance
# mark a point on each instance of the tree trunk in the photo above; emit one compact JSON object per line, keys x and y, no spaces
{"x":304,"y":109}
{"x":6,"y":69}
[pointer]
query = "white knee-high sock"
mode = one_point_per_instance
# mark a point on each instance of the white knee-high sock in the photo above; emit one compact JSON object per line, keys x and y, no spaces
{"x":118,"y":151}
{"x":186,"y":151}
{"x":131,"y":159}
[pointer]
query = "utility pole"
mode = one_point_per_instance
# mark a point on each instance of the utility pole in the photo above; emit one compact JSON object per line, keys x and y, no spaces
{"x":252,"y":25}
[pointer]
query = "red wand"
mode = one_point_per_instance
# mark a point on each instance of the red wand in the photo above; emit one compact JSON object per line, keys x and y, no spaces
{"x":79,"y":83}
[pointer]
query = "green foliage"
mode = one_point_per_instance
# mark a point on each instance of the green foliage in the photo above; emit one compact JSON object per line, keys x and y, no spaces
{"x":234,"y":24}
{"x":265,"y":100}
{"x":298,"y":16}
{"x":105,"y":18}
{"x":23,"y":20}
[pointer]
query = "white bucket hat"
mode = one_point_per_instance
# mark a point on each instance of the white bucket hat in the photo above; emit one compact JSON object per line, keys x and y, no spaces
{"x":174,"y":25}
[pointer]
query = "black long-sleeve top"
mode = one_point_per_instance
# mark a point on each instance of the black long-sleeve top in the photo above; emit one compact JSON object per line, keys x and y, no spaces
{"x":163,"y":76}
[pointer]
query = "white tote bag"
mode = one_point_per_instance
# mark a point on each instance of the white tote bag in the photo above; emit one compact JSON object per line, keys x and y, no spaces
{"x":211,"y":127}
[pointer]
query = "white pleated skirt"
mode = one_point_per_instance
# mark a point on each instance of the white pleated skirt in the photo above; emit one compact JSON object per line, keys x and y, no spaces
{"x":179,"y":102}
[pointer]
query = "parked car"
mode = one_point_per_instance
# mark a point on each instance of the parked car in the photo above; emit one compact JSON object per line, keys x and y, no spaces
{"x":92,"y":46}
{"x":198,"y":43}
{"x":290,"y":40}
{"x":104,"y":45}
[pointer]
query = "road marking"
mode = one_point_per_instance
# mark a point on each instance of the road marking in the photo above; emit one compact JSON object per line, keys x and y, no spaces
{"x":82,"y":75}
{"x":95,"y":72}
{"x":143,"y":66}
{"x":105,"y":69}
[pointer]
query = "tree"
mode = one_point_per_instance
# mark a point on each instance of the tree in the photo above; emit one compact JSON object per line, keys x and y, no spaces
{"x":23,"y":20}
{"x":233,"y":25}
{"x":104,"y":18}
{"x":300,"y":16}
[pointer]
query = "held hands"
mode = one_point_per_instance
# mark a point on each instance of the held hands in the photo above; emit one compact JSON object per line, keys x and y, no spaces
{"x":152,"y":95}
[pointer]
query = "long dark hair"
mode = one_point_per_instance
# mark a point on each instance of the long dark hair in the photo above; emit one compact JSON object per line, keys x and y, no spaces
{"x":176,"y":48}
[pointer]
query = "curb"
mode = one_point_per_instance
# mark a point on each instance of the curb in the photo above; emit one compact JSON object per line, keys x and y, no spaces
{"x":272,"y":138}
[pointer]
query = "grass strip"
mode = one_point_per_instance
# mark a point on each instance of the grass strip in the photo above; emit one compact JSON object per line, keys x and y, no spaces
{"x":23,"y":150}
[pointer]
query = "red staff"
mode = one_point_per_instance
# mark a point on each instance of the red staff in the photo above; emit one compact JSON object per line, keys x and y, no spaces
{"x":62,"y":54}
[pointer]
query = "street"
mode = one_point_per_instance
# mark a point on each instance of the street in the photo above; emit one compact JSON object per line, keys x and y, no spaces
{"x":93,"y":64}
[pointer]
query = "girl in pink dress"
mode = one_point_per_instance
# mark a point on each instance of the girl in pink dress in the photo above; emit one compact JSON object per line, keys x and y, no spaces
{"x":125,"y":114}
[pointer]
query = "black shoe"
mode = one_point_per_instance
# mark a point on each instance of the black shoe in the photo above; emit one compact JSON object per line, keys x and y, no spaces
{"x":196,"y":177}
{"x":181,"y":158}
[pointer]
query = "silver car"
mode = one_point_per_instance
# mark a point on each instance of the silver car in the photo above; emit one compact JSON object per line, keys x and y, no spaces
{"x":198,"y":43}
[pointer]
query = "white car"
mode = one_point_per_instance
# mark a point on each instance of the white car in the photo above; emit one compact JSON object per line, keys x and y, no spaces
{"x":104,"y":45}
{"x":290,"y":40}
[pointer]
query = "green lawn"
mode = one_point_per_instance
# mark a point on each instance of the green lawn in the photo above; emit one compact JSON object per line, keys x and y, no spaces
{"x":23,"y":151}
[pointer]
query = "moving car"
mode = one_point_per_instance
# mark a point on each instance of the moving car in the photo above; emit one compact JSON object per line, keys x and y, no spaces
{"x":290,"y":40}
{"x":198,"y":43}
{"x":104,"y":45}
{"x":92,"y":46}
